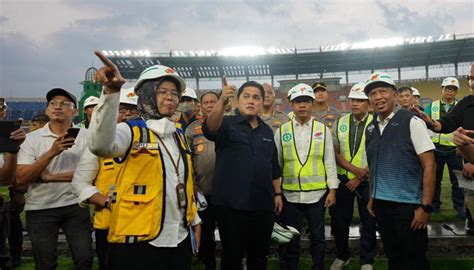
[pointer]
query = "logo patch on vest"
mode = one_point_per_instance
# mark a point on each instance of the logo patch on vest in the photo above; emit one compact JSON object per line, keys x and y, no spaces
{"x":435,"y":109}
{"x":149,"y":146}
{"x":287,"y":137}
{"x":370,"y":128}
{"x":343,"y":128}
{"x":318,"y":135}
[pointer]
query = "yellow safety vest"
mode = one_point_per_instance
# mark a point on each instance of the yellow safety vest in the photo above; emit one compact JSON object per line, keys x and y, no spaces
{"x":343,"y":134}
{"x":105,"y":182}
{"x":138,"y":211}
{"x":440,"y":138}
{"x":310,"y":174}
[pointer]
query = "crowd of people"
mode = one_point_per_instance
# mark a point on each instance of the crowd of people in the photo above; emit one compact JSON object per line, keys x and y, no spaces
{"x":163,"y":168}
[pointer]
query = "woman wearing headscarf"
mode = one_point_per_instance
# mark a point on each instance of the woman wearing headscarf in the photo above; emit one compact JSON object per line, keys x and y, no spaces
{"x":154,"y":222}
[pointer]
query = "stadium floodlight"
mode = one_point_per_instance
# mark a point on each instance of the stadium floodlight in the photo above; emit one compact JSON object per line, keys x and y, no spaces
{"x":128,"y":52}
{"x":146,"y":53}
{"x":378,"y":43}
{"x":242,"y":51}
{"x":448,"y":36}
{"x":105,"y":53}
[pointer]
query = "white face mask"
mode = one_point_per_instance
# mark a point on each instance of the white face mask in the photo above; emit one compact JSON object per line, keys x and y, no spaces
{"x":186,"y":107}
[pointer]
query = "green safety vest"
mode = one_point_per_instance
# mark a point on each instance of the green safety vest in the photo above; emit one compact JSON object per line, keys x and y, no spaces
{"x":440,"y":138}
{"x":308,"y":175}
{"x":343,"y":134}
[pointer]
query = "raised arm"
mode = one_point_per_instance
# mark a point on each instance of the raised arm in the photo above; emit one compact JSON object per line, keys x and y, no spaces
{"x":214,"y":119}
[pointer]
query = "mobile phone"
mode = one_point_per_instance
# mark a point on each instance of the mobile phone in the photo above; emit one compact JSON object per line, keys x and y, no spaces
{"x":72,"y":132}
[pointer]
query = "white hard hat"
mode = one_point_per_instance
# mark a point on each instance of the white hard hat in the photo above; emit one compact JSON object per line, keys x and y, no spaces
{"x":450,"y":81}
{"x":91,"y":101}
{"x":415,"y":92}
{"x":300,"y":90}
{"x":283,"y":234}
{"x":127,"y":96}
{"x":190,"y":93}
{"x":378,"y":77}
{"x":357,"y":91}
{"x":159,"y":71}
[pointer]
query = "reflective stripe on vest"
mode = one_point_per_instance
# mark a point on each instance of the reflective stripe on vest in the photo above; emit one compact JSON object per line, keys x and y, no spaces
{"x":138,"y":213}
{"x":440,"y":138}
{"x":343,"y":133}
{"x":105,"y":182}
{"x":310,"y":175}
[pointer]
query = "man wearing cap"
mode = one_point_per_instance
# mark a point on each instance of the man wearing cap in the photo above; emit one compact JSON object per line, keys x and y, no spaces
{"x":269,"y":115}
{"x":8,"y":165}
{"x":46,"y":162}
{"x":187,"y":108}
{"x":352,"y":171}
{"x":322,"y":111}
{"x":309,"y":179}
{"x":246,"y":189}
{"x":95,"y":177}
{"x":204,"y":159}
{"x":89,"y":105}
{"x":402,"y":176}
{"x":445,"y":153}
{"x":405,"y":97}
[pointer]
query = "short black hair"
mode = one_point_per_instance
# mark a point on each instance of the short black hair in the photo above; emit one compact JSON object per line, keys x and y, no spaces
{"x":404,"y":88}
{"x":207,"y":93}
{"x":251,"y":84}
{"x":40,"y":118}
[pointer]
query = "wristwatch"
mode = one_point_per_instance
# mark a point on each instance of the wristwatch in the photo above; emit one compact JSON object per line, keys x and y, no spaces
{"x":427,"y":208}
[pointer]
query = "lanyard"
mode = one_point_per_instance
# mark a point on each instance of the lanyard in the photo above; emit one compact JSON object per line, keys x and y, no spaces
{"x":175,"y":164}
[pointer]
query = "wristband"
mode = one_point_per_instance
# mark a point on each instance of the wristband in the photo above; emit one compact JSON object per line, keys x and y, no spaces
{"x":106,"y":202}
{"x":277,"y":194}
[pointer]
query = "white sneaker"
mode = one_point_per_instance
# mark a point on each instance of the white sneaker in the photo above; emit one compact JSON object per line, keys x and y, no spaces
{"x":339,"y":264}
{"x":366,"y":267}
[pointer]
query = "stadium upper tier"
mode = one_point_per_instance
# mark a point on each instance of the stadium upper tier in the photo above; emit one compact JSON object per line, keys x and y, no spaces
{"x":299,"y":62}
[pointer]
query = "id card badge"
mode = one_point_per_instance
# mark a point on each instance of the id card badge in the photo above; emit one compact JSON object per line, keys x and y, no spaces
{"x":181,"y":195}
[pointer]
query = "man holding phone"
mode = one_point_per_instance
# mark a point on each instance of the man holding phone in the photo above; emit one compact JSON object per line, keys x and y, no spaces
{"x":46,"y":162}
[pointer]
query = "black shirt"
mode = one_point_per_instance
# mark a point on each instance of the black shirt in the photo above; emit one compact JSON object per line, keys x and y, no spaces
{"x":246,"y":164}
{"x":462,"y":115}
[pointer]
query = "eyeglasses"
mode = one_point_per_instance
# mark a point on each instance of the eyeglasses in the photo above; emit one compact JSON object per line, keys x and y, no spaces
{"x":124,"y":109}
{"x":163,"y":93}
{"x":62,"y":104}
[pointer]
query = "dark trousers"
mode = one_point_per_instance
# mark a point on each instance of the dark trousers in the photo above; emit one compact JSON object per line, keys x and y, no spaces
{"x":5,"y":261}
{"x":145,"y":256}
{"x":43,"y":229}
{"x":207,"y":250}
{"x":404,"y":247}
{"x":15,"y":238}
{"x":244,"y":232}
{"x":293,"y":214}
{"x":341,"y":218}
{"x":101,"y":248}
{"x":454,"y":163}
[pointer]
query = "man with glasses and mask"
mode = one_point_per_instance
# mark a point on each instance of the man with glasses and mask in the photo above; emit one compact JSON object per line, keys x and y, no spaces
{"x":187,"y":106}
{"x":95,"y":178}
{"x":445,"y":153}
{"x":46,"y":162}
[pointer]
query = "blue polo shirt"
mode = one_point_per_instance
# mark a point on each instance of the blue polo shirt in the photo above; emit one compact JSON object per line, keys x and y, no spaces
{"x":246,"y":164}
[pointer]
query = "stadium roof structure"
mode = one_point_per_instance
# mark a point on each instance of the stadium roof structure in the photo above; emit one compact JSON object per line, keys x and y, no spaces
{"x":304,"y":61}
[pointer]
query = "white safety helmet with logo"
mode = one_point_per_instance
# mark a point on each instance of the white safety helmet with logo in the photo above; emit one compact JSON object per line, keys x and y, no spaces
{"x":357,"y":91}
{"x":91,"y":101}
{"x":378,"y":78}
{"x":127,"y":96}
{"x":190,"y":93}
{"x":415,"y":92}
{"x":450,"y":81}
{"x":300,"y":90}
{"x":159,"y":71}
{"x":282,"y":234}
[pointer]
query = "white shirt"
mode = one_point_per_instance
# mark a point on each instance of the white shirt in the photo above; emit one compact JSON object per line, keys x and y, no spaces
{"x":418,"y":133}
{"x":84,"y":176}
{"x":50,"y":195}
{"x":109,"y":139}
{"x":303,"y":135}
